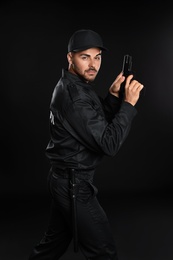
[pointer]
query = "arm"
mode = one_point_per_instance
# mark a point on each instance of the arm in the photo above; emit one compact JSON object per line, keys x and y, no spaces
{"x":90,"y":127}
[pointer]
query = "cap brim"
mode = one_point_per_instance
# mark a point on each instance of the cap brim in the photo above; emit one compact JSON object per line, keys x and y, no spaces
{"x":89,"y":47}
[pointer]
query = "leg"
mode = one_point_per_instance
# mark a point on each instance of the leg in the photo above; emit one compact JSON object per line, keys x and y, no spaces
{"x":94,"y":233}
{"x":55,"y":240}
{"x":59,"y":234}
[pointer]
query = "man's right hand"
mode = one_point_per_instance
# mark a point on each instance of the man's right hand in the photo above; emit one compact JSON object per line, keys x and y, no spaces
{"x":132,"y":90}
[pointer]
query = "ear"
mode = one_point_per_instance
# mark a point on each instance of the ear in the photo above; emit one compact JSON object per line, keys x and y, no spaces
{"x":69,"y":57}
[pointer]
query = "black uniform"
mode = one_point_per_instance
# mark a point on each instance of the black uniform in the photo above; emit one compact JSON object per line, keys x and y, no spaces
{"x":83,"y":129}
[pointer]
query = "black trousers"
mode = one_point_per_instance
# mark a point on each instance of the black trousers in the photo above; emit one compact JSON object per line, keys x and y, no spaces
{"x":95,"y":237}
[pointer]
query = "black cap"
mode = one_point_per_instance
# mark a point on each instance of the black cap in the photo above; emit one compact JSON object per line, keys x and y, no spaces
{"x":85,"y":39}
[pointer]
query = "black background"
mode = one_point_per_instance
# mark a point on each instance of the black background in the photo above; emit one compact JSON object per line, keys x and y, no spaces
{"x":33,"y":47}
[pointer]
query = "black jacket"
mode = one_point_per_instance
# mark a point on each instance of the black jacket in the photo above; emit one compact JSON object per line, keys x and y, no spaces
{"x":84,"y":127}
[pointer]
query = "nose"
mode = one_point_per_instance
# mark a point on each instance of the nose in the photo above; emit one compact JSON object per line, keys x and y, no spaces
{"x":92,"y":63}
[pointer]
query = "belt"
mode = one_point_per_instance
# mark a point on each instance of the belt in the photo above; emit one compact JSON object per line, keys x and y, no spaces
{"x":80,"y":174}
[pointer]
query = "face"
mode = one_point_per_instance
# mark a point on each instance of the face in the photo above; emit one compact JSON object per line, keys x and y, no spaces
{"x":85,"y":63}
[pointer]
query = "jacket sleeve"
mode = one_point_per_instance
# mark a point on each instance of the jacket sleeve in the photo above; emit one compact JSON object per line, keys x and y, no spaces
{"x":111,"y":105}
{"x":87,"y":122}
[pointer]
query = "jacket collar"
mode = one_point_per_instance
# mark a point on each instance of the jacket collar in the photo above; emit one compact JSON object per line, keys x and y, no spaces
{"x":73,"y":77}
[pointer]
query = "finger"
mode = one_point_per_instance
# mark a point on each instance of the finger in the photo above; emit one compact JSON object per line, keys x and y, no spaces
{"x":129,"y":78}
{"x":135,"y":84}
{"x":119,"y":79}
{"x":139,"y":86}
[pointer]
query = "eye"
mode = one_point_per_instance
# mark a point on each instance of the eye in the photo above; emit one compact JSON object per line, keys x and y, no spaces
{"x":98,"y":57}
{"x":84,"y":57}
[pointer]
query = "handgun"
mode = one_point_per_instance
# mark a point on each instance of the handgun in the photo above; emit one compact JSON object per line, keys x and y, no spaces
{"x":127,"y":70}
{"x":127,"y":65}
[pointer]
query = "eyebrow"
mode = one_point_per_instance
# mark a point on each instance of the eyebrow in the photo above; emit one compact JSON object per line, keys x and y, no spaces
{"x":88,"y":55}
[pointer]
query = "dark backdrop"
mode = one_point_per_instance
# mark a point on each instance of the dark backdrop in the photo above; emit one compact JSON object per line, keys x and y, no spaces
{"x":33,"y":48}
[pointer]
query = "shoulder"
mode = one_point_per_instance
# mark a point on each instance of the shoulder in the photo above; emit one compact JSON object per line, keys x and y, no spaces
{"x":74,"y":92}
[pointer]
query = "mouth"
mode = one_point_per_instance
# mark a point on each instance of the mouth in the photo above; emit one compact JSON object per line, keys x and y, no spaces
{"x":91,"y":71}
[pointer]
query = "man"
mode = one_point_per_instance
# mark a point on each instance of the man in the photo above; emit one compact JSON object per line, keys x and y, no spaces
{"x":83,"y":129}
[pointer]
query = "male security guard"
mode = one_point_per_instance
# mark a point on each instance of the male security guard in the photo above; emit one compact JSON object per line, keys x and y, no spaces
{"x":83,"y":129}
